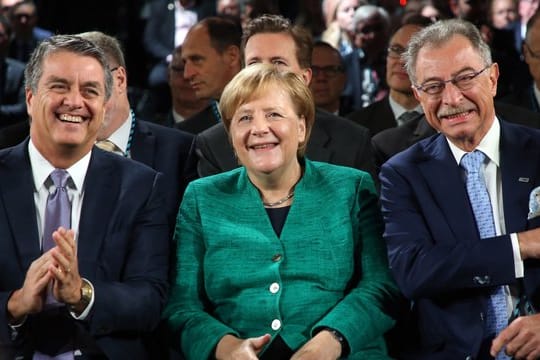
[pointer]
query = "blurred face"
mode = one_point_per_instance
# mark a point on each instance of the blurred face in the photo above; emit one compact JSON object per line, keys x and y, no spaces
{"x":370,"y":34}
{"x":396,"y":76}
{"x":464,"y":116}
{"x":4,"y":40}
{"x":24,"y":19}
{"x":328,"y":79}
{"x":206,"y":69}
{"x":503,"y":13}
{"x":531,"y":51}
{"x":181,"y":90}
{"x":345,"y":13}
{"x":228,"y":7}
{"x":527,"y":8}
{"x":274,"y":48}
{"x":430,"y":12}
{"x":265,"y":132}
{"x":68,"y":107}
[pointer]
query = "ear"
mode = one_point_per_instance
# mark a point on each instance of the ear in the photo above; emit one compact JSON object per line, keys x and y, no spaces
{"x":307,"y":74}
{"x":232,"y":55}
{"x":29,"y":97}
{"x":301,"y":129}
{"x":416,"y":93}
{"x":493,"y":77}
{"x":120,"y":79}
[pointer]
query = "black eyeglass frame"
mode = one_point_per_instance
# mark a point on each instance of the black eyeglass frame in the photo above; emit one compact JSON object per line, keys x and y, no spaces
{"x":435,"y":88}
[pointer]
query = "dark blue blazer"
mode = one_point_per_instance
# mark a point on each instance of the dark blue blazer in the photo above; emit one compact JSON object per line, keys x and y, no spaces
{"x":123,"y":249}
{"x":434,"y":249}
{"x":378,"y":116}
{"x":168,"y":151}
{"x":12,"y":95}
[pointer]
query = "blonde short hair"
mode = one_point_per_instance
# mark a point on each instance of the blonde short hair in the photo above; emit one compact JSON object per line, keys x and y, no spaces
{"x":253,"y":80}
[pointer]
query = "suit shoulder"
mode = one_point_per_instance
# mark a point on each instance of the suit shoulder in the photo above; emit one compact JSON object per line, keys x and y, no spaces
{"x":218,"y":183}
{"x":339,"y":124}
{"x":167,"y":132}
{"x":336,"y":173}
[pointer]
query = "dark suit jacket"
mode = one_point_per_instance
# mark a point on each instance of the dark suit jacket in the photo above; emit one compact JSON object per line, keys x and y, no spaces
{"x":12,"y":96}
{"x":199,"y":122}
{"x":333,"y":139}
{"x":391,"y":141}
{"x":524,"y":97}
{"x":123,"y":250}
{"x":168,"y":151}
{"x":434,"y":249}
{"x":376,"y":117}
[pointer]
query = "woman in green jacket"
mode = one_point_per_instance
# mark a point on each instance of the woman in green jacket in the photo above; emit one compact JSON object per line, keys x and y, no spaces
{"x":283,"y":257}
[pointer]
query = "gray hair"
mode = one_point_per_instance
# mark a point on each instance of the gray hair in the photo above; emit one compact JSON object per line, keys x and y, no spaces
{"x":70,"y":43}
{"x":365,"y":12}
{"x":437,"y":35}
{"x":110,"y":46}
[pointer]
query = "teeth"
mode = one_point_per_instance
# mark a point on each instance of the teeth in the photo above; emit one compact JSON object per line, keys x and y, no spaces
{"x":261,"y":146}
{"x":71,"y":118}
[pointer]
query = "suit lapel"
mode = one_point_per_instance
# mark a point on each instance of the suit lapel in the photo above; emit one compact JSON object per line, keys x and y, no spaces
{"x":449,"y":191}
{"x":317,"y":145}
{"x":17,"y":192}
{"x":144,"y":144}
{"x":519,"y":172}
{"x":101,"y":189}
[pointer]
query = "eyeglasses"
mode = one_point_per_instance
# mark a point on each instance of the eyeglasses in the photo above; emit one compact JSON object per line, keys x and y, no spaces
{"x":329,"y":71}
{"x":535,"y":55}
{"x":395,"y":51}
{"x":462,"y":82}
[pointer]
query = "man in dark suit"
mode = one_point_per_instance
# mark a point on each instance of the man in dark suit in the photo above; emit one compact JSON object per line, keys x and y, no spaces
{"x":529,"y":96}
{"x":163,"y":149}
{"x":106,"y":276}
{"x":460,"y":243}
{"x":12,"y":102}
{"x":211,"y":55}
{"x":398,"y":106}
{"x":272,"y":39}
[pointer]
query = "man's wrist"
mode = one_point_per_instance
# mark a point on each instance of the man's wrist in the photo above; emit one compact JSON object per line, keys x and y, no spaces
{"x":85,"y":297}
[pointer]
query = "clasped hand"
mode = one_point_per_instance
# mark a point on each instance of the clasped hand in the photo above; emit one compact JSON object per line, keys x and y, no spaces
{"x":57,"y":268}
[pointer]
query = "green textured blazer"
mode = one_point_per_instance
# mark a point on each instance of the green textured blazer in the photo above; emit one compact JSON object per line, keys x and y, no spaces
{"x":328,"y":268}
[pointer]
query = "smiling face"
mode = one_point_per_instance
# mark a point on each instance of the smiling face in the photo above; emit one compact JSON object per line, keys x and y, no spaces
{"x":266,"y":131}
{"x":463,"y":116}
{"x":278,"y":49}
{"x":68,"y":106}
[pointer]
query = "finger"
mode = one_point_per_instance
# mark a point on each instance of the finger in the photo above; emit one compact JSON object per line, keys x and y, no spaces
{"x":504,"y":337}
{"x":258,"y":343}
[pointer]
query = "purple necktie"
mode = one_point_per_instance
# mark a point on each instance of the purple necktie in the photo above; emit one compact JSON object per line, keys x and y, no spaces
{"x":57,"y":213}
{"x":58,"y":209}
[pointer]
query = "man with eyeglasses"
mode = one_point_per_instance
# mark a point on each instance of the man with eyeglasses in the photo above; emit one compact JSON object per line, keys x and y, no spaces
{"x":328,"y":80}
{"x":460,"y":244}
{"x":400,"y":105}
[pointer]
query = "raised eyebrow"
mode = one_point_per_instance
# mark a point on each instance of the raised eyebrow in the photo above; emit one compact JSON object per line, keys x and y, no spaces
{"x":454,"y":74}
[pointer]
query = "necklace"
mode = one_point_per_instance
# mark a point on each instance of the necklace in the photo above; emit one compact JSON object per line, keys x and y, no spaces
{"x":280,"y":201}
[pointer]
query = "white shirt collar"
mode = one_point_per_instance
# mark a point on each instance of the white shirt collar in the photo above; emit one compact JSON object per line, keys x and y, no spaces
{"x":120,"y":137}
{"x":42,"y":168}
{"x":398,"y":110}
{"x":489,"y":145}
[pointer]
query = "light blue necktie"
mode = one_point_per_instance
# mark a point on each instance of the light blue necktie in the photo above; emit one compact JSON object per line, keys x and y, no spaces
{"x":496,"y":317}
